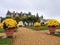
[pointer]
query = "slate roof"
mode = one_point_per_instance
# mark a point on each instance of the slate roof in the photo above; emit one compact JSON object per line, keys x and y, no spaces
{"x":8,"y":13}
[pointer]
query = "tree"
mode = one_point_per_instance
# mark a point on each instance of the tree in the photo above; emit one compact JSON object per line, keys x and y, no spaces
{"x":37,"y":16}
{"x":5,"y":18}
{"x":24,"y":18}
{"x":30,"y":19}
{"x":29,"y":13}
{"x":17,"y":18}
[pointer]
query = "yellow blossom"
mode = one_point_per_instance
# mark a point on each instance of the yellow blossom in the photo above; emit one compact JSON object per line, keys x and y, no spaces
{"x":10,"y":23}
{"x":0,"y":25}
{"x":52,"y":22}
{"x":36,"y":24}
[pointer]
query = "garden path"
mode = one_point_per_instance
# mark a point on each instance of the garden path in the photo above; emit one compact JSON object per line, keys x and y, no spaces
{"x":26,"y":36}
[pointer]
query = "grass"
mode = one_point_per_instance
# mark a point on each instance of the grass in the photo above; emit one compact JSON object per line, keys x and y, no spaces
{"x":41,"y":27}
{"x":58,"y":27}
{"x":5,"y":41}
{"x":45,"y":28}
{"x":1,"y":30}
{"x":58,"y":34}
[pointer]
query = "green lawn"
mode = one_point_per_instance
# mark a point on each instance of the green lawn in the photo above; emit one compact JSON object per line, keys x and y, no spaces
{"x":41,"y":27}
{"x":45,"y":28}
{"x":58,"y":34}
{"x":5,"y":41}
{"x":58,"y":27}
{"x":1,"y":30}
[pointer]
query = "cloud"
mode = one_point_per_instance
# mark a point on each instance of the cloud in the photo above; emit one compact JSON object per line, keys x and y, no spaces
{"x":47,"y":8}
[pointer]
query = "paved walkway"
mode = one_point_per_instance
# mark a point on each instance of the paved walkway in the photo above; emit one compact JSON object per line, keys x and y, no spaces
{"x":26,"y":36}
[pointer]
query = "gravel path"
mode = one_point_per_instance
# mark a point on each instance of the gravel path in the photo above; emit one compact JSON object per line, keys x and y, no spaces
{"x":26,"y":36}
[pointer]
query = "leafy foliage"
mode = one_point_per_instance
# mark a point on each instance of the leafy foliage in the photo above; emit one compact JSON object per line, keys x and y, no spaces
{"x":17,"y":19}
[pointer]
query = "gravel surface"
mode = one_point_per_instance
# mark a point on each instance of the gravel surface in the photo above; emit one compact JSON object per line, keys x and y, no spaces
{"x":26,"y":36}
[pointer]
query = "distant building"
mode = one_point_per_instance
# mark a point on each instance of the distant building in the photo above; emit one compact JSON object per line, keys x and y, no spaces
{"x":13,"y":14}
{"x":0,"y":19}
{"x":42,"y":20}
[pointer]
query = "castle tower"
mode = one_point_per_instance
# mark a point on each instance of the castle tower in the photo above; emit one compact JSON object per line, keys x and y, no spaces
{"x":0,"y":19}
{"x":8,"y":14}
{"x":17,"y":14}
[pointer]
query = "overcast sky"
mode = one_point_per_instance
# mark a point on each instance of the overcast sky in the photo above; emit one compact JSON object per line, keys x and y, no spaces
{"x":47,"y":8}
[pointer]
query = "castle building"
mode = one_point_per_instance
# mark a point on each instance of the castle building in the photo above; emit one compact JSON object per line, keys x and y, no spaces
{"x":13,"y":14}
{"x":0,"y":19}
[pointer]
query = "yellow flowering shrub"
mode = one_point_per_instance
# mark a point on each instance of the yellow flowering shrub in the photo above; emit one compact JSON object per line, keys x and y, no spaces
{"x":0,"y":25}
{"x":9,"y":23}
{"x":52,"y":22}
{"x":59,"y":24}
{"x":36,"y":24}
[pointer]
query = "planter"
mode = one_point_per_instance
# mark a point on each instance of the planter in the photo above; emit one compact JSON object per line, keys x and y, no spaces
{"x":37,"y":28}
{"x":52,"y":30}
{"x":9,"y":32}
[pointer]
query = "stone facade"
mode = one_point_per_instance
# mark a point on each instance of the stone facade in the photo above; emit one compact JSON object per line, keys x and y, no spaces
{"x":42,"y":20}
{"x":0,"y":19}
{"x":13,"y":14}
